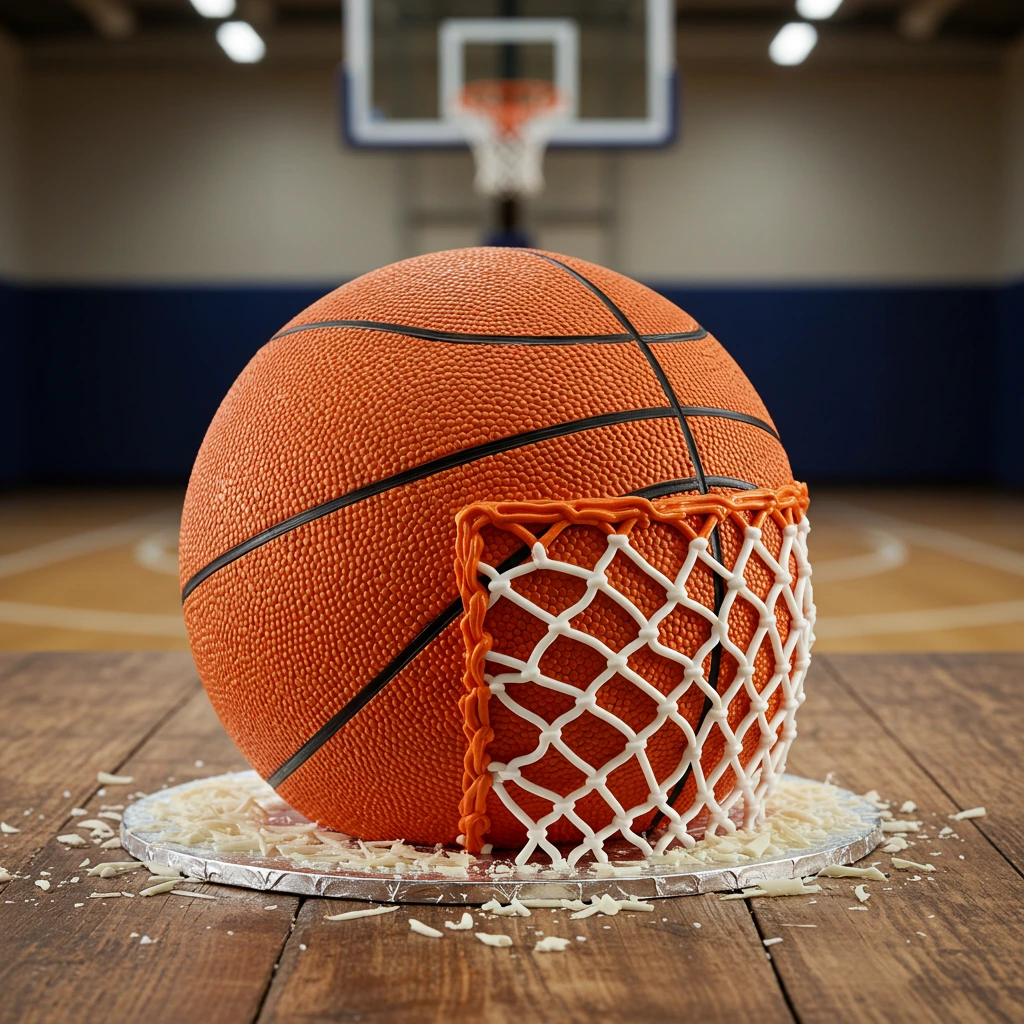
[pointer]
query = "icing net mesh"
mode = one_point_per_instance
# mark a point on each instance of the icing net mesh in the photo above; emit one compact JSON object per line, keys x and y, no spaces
{"x":683,"y":721}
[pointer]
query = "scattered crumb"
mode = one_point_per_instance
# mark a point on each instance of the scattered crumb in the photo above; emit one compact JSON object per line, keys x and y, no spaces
{"x":194,"y":895}
{"x":351,"y":915}
{"x":41,"y":883}
{"x":303,"y":947}
{"x":862,"y":893}
{"x":856,"y":908}
{"x":514,"y":909}
{"x":775,"y":887}
{"x":552,"y":944}
{"x":771,"y":942}
{"x":908,"y":807}
{"x":85,"y":863}
{"x":113,"y":780}
{"x":972,"y":812}
{"x":901,"y":826}
{"x":146,"y":941}
{"x":424,"y":929}
{"x":895,"y":845}
{"x":71,"y":839}
{"x":945,"y":831}
{"x":78,"y":812}
{"x":8,"y":830}
{"x":273,"y":906}
{"x":79,"y":904}
{"x":798,"y":926}
{"x":581,"y":938}
{"x":155,"y":890}
{"x":489,"y":939}
{"x":842,"y":871}
{"x":909,"y":865}
{"x":696,"y":924}
{"x":102,"y":895}
{"x":111,"y":844}
{"x":465,"y":923}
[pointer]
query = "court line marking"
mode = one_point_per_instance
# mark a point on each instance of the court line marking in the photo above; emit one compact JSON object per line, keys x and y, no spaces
{"x":66,"y":548}
{"x":158,"y":551}
{"x":888,"y":552}
{"x":87,"y":620}
{"x":996,"y":613}
{"x":924,"y":620}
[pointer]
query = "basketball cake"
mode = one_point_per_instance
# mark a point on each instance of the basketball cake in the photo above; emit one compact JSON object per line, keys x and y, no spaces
{"x":500,"y":548}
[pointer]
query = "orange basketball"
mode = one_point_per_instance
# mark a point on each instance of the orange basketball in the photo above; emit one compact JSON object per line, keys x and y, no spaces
{"x":318,"y":536}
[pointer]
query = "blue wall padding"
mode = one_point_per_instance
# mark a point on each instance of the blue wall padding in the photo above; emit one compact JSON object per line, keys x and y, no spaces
{"x":13,"y":385}
{"x":881,"y":384}
{"x":1008,"y":396}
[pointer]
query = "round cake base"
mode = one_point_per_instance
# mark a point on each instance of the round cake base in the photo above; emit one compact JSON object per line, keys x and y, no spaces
{"x":497,"y":876}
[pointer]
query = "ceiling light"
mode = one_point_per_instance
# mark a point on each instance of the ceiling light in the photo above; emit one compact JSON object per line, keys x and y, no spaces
{"x":793,"y":43}
{"x":816,"y":10}
{"x":215,"y":8}
{"x":241,"y":42}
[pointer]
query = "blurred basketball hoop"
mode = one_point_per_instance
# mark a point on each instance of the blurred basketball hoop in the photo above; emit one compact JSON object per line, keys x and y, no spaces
{"x":508,"y":83}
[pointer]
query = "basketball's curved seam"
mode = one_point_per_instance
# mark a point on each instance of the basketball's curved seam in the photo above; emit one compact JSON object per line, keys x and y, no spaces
{"x":460,"y":338}
{"x":714,"y":668}
{"x":438,"y":625}
{"x":456,"y":459}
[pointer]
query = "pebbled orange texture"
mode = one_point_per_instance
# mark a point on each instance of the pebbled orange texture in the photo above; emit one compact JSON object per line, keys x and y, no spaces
{"x":285,"y":635}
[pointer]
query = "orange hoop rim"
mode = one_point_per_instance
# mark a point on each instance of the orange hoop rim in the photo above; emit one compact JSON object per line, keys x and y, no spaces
{"x":509,"y":102}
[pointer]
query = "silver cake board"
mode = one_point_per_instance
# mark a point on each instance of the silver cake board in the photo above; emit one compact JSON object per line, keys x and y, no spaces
{"x":494,"y":876}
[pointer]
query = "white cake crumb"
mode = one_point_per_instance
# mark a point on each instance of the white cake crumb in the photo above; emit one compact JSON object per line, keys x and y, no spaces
{"x":464,"y":924}
{"x":971,"y":812}
{"x":489,"y":939}
{"x":424,"y":929}
{"x":909,"y":865}
{"x":552,"y":944}
{"x":106,"y":779}
{"x":771,"y":942}
{"x":862,"y":893}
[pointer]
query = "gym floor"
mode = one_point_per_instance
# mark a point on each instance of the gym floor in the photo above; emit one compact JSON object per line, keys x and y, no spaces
{"x":894,"y":570}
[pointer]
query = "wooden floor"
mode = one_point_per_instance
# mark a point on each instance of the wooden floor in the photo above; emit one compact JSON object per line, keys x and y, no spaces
{"x":936,"y":947}
{"x":893,"y":571}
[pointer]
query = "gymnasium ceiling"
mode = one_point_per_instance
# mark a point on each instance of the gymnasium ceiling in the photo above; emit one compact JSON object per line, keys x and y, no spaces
{"x":170,"y":31}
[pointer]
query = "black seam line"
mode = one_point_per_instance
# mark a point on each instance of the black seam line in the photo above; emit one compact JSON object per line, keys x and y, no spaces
{"x":668,"y":487}
{"x":659,"y":372}
{"x":456,"y":459}
{"x":742,"y":417}
{"x":698,"y":469}
{"x":422,"y":639}
{"x":459,"y":338}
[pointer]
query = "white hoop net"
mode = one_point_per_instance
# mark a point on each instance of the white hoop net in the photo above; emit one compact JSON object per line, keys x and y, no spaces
{"x":742,"y":804}
{"x":508,"y":125}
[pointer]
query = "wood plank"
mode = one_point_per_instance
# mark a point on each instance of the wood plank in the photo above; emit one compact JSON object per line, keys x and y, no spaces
{"x":970,"y":738}
{"x":212,"y":959}
{"x":63,"y":718}
{"x":631,"y":967}
{"x":873,"y":964}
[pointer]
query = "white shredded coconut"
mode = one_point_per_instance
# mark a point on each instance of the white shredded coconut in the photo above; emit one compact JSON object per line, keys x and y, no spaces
{"x":239,"y":814}
{"x":464,"y":924}
{"x":72,"y":839}
{"x":489,"y":939}
{"x":971,"y":812}
{"x":862,"y":893}
{"x":424,"y":929}
{"x":8,"y":830}
{"x":106,"y":779}
{"x":41,"y":883}
{"x":909,"y":865}
{"x":842,"y":871}
{"x":771,"y":942}
{"x":351,"y":915}
{"x":552,"y":944}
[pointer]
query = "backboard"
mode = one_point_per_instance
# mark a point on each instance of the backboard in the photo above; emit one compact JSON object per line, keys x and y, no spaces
{"x":614,"y":61}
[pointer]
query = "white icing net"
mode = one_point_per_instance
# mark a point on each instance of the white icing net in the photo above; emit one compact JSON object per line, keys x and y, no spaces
{"x":743,"y":804}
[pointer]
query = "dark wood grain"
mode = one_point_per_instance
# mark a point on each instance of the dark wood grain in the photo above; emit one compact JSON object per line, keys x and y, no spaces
{"x":632,"y":967}
{"x":961,"y":717}
{"x":63,"y":718}
{"x":877,"y":723}
{"x":872,"y":964}
{"x":211,"y":961}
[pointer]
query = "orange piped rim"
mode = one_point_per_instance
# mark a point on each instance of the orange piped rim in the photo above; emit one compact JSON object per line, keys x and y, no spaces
{"x":786,"y":505}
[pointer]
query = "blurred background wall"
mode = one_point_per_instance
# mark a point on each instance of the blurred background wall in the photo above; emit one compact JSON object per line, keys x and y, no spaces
{"x":854,"y":235}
